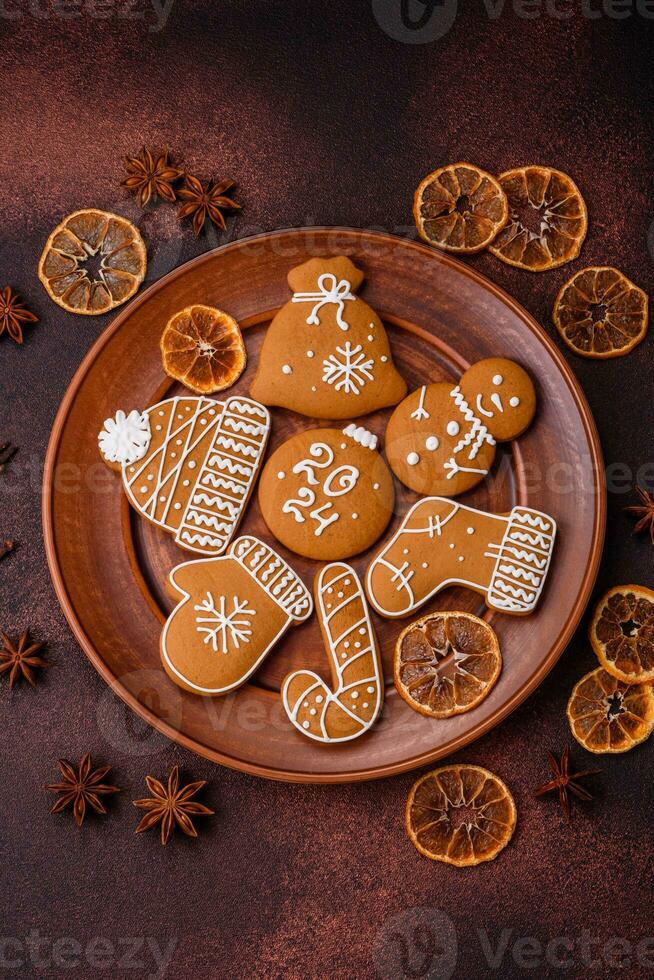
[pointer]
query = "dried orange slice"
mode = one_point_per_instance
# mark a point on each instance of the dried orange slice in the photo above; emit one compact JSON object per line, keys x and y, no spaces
{"x":460,"y":208}
{"x":203,"y":348}
{"x":601,"y":313}
{"x":461,"y":815}
{"x":446,"y":663}
{"x":547,"y":219}
{"x":622,"y":633}
{"x":607,"y":715}
{"x":92,"y":262}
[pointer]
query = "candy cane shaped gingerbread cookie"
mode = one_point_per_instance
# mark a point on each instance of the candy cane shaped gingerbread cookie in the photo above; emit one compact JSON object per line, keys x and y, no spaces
{"x":350,"y":707}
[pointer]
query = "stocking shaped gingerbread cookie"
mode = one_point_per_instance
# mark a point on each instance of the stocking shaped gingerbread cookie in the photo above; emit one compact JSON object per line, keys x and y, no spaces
{"x":232,"y":612}
{"x":327,"y":493}
{"x":326,"y":353}
{"x":189,"y":464}
{"x":349,"y":708}
{"x":441,"y":542}
{"x":441,"y":439}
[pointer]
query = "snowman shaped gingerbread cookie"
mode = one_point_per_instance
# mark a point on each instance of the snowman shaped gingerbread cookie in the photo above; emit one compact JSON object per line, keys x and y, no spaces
{"x":442,"y":438}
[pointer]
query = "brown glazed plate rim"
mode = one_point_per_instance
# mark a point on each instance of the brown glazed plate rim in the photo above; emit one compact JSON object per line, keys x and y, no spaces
{"x":456,"y":743}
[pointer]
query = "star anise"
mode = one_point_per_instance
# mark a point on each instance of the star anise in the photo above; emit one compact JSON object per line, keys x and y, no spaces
{"x":82,"y":788}
{"x":6,"y":547}
{"x":206,"y":200}
{"x":170,"y":805}
{"x":7,"y":453}
{"x":150,"y":178}
{"x":644,"y":511}
{"x":19,"y":658}
{"x":13,"y":312}
{"x":565,"y":782}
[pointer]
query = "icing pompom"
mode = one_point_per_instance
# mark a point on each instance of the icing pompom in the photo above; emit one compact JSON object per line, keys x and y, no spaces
{"x":125,"y":438}
{"x":365,"y":438}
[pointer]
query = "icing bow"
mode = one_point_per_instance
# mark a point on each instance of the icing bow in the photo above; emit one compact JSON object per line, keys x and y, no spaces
{"x":330,"y":291}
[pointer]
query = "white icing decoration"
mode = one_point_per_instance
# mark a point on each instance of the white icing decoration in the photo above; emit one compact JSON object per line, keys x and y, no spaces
{"x":287,"y":369}
{"x":329,"y":291}
{"x":221,"y":627}
{"x":473,"y":439}
{"x":350,"y":370}
{"x":514,"y":401}
{"x":412,"y":459}
{"x":432,"y":443}
{"x":515,"y":581}
{"x":310,"y":353}
{"x":421,"y":412}
{"x":482,"y":410}
{"x":453,"y":428}
{"x":383,"y":358}
{"x":361,"y":664}
{"x":281,"y":475}
{"x":340,"y":481}
{"x":498,"y":379}
{"x":125,"y":439}
{"x":337,"y":483}
{"x":361,"y":435}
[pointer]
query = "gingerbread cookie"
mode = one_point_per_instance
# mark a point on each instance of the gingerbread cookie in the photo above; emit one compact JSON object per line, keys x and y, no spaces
{"x":326,"y":353}
{"x":189,"y":464}
{"x":232,"y":612}
{"x":349,"y":708}
{"x":441,"y":438}
{"x":441,"y":542}
{"x":327,"y":493}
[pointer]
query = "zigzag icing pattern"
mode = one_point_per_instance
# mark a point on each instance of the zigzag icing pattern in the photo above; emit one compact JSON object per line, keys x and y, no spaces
{"x":202,"y":539}
{"x":266,"y":566}
{"x":477,"y":434}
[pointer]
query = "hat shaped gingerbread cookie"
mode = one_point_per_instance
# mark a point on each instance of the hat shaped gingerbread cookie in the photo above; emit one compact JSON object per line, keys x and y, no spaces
{"x":189,"y":464}
{"x":327,"y":493}
{"x":326,"y":353}
{"x":232,"y":612}
{"x":441,"y":439}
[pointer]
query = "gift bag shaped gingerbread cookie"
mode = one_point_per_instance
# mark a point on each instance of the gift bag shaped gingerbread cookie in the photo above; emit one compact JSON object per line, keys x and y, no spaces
{"x":326,"y":353}
{"x":350,"y":706}
{"x":505,"y":557}
{"x":327,"y":493}
{"x":232,"y":612}
{"x":189,"y":464}
{"x":441,"y":439}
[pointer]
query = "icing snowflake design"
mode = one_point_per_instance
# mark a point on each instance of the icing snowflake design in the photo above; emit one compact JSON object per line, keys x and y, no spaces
{"x":224,"y":628}
{"x":351,"y":371}
{"x":125,"y":438}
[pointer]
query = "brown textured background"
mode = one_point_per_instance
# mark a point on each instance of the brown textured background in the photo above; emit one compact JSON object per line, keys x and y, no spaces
{"x":324,"y":119}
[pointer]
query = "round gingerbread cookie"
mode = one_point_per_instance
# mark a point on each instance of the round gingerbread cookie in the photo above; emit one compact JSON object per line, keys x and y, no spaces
{"x":442,"y":438}
{"x":327,"y":493}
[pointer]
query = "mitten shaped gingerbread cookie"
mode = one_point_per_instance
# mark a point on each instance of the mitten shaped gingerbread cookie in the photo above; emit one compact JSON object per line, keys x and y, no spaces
{"x":327,"y":493}
{"x":326,"y":353}
{"x":349,"y":708}
{"x":232,"y":612}
{"x":189,"y":464}
{"x":441,"y":543}
{"x":441,"y":438}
